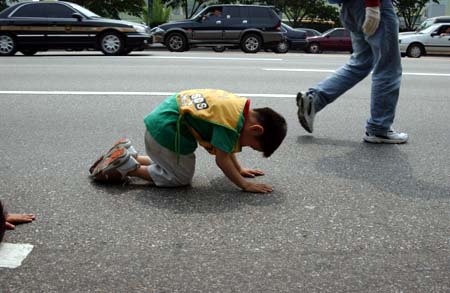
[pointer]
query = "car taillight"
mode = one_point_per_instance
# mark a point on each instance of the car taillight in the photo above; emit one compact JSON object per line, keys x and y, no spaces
{"x":278,"y":27}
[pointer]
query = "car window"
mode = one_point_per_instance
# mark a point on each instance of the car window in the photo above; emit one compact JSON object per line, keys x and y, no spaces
{"x":328,"y":31}
{"x":426,"y":24}
{"x":212,"y":15}
{"x":260,"y":12}
{"x":231,"y":12}
{"x":200,"y":14}
{"x":30,"y":10}
{"x":44,"y":10}
{"x":444,"y":29}
{"x":337,"y":34}
{"x":244,"y":12}
{"x":428,"y":30}
{"x":55,"y":10}
{"x":84,"y":11}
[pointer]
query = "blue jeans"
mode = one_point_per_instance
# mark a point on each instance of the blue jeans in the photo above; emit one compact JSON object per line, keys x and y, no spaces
{"x":380,"y":53}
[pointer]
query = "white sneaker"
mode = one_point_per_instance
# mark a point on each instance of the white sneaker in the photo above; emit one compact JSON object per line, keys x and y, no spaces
{"x":306,"y":111}
{"x":391,"y":136}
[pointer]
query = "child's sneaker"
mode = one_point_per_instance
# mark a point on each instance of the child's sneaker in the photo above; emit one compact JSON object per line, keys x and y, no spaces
{"x":123,"y":142}
{"x":306,"y":111}
{"x":114,"y":159}
{"x":391,"y":136}
{"x":118,"y":172}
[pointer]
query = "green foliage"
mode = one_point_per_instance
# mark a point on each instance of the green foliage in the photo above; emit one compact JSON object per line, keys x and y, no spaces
{"x":411,"y":11}
{"x":112,"y":8}
{"x":190,"y":8}
{"x":314,"y":10}
{"x":3,"y":4}
{"x":160,"y":14}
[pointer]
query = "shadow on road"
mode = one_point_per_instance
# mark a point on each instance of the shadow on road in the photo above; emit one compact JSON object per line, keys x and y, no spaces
{"x":219,"y":196}
{"x":384,"y":166}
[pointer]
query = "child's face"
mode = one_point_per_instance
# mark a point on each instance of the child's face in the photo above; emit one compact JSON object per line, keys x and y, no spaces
{"x":252,"y":141}
{"x":251,"y":131}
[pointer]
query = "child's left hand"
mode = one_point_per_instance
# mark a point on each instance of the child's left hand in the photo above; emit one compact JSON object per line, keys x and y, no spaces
{"x":250,"y":173}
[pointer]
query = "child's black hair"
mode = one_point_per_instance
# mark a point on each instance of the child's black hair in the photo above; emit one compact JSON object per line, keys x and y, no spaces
{"x":2,"y":222}
{"x":275,"y":129}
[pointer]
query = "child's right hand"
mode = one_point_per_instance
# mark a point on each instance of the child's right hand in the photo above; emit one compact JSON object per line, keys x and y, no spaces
{"x":257,"y":187}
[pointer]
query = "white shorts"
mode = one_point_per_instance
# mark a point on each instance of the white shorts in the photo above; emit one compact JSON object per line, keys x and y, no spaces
{"x":165,"y":170}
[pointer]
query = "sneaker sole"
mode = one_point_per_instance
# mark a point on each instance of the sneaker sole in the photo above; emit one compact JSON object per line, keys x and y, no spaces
{"x":301,"y":110}
{"x":116,"y":159}
{"x":113,"y":174}
{"x":379,"y":140}
{"x":122,"y":142}
{"x":110,"y":177}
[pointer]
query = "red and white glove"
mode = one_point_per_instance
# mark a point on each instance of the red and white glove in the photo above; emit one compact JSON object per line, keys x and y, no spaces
{"x":372,"y":20}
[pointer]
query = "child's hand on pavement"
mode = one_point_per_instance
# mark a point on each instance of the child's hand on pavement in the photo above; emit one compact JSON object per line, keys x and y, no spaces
{"x":257,"y":187}
{"x":12,"y":219}
{"x":250,"y":173}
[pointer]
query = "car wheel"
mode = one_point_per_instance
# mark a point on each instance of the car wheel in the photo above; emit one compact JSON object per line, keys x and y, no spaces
{"x":282,"y":47}
{"x":111,"y":43}
{"x":314,"y":48}
{"x":8,"y":46}
{"x":251,"y":43}
{"x":219,"y":49}
{"x":415,"y":50}
{"x":28,"y":52}
{"x":176,"y":42}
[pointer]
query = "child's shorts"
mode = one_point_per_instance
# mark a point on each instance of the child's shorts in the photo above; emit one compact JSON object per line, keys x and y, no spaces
{"x":165,"y":170}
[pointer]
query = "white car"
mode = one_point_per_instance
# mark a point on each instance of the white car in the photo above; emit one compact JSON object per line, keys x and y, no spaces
{"x":434,"y":39}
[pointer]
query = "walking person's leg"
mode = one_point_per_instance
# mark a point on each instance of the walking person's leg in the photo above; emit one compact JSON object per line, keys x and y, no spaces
{"x":386,"y":78}
{"x":357,"y":68}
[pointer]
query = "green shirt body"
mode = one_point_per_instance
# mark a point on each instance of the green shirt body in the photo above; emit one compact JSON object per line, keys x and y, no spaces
{"x":213,"y":118}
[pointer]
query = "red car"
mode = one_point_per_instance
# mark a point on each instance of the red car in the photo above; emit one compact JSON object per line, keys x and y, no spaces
{"x":335,"y":39}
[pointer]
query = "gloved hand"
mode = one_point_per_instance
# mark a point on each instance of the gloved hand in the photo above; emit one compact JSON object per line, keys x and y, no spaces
{"x":372,"y":20}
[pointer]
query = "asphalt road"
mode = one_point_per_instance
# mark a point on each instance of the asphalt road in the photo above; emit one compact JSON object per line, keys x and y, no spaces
{"x":344,"y":216}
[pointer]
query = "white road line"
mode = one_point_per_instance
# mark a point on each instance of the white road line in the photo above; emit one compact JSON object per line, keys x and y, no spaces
{"x":426,"y":74}
{"x":210,"y":58}
{"x":82,"y":93}
{"x":329,"y":70}
{"x":12,"y":254}
{"x":93,"y":93}
{"x":298,"y":70}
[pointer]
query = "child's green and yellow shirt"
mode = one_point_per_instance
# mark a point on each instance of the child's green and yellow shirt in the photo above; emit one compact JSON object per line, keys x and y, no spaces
{"x":213,"y":118}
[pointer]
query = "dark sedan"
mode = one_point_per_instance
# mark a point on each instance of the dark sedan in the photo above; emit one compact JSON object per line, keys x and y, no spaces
{"x":295,"y":39}
{"x":30,"y":27}
{"x":310,"y":32}
{"x":335,"y":39}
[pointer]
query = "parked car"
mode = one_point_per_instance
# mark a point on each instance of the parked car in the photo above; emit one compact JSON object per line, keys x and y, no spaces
{"x":30,"y":27}
{"x":335,"y":39}
{"x":295,"y":39}
{"x":432,"y":40}
{"x":430,"y":21}
{"x":310,"y":32}
{"x":251,"y":27}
